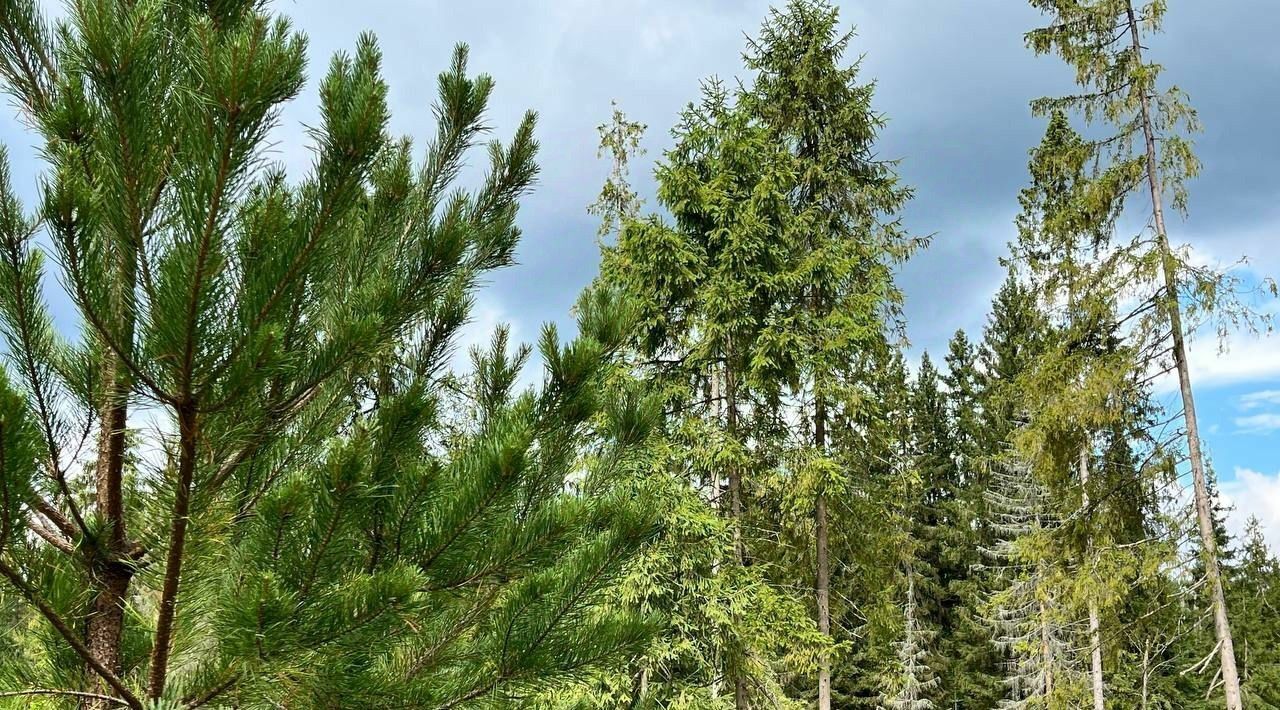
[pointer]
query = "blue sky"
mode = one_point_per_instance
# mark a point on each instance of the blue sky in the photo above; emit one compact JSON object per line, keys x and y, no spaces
{"x":954,"y":80}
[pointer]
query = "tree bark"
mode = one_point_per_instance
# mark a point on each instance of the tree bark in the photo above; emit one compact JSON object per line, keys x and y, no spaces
{"x":187,"y":433}
{"x":1097,"y":682}
{"x":1204,"y":513}
{"x":1046,"y":650}
{"x":110,"y":576}
{"x":1146,"y":672}
{"x":741,"y":696}
{"x":110,"y":565}
{"x":822,"y":581}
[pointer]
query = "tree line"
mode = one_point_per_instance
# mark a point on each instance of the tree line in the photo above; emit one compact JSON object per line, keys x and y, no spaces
{"x":254,"y":476}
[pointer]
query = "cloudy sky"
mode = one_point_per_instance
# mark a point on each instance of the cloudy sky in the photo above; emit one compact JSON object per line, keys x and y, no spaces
{"x":954,"y":80}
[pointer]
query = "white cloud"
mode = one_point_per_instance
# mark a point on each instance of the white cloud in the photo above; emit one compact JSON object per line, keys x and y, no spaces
{"x":1265,"y":405}
{"x":1264,"y":423}
{"x":1260,"y":399}
{"x":1242,"y":357}
{"x":1254,"y":494}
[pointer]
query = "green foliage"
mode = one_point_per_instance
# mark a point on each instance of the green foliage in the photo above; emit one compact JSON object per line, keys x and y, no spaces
{"x":254,"y":478}
{"x":317,"y":513}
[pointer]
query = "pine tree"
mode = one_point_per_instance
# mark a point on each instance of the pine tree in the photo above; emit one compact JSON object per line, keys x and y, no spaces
{"x":299,"y":523}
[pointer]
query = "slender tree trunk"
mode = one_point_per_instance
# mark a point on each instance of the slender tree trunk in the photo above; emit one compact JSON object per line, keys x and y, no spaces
{"x":1146,"y":672}
{"x":822,"y":581}
{"x":741,"y":698}
{"x":111,"y":565}
{"x":1097,"y":683}
{"x":187,"y":433}
{"x":1221,"y":624}
{"x":1046,"y":650}
{"x":109,"y":572}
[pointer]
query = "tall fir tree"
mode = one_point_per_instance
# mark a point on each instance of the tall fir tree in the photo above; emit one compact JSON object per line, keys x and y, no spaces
{"x":708,"y":285}
{"x":845,"y":238}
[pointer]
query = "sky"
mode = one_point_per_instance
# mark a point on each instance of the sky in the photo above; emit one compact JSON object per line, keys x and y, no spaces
{"x":954,"y":80}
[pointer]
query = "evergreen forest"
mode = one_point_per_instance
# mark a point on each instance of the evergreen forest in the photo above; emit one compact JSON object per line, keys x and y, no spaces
{"x":260,"y":471}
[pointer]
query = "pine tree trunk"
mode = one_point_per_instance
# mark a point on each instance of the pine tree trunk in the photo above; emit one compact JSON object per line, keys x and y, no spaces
{"x":1097,"y":683}
{"x":110,"y":576}
{"x":159,"y":664}
{"x":1222,"y":626}
{"x":110,"y":567}
{"x":822,"y":582}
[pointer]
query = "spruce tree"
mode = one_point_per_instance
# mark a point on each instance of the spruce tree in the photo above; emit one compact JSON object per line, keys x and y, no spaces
{"x":936,"y":509}
{"x":1254,"y":590}
{"x":301,"y":522}
{"x":707,"y":285}
{"x":845,"y":239}
{"x":1030,"y":618}
{"x":917,"y":681}
{"x":1147,"y":148}
{"x":974,"y":679}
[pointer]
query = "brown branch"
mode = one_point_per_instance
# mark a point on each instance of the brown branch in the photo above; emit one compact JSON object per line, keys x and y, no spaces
{"x":69,"y":635}
{"x":54,"y":515}
{"x":208,"y":696}
{"x":187,"y":432}
{"x":52,"y":537}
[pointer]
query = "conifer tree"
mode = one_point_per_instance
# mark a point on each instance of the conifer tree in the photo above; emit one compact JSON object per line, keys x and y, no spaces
{"x":845,"y":239}
{"x":1028,"y":612}
{"x":299,"y":523}
{"x":1148,"y":148}
{"x":707,"y":285}
{"x":936,"y":509}
{"x":974,"y":679}
{"x":1254,"y":591}
{"x":917,"y":679}
{"x":1073,"y":383}
{"x":871,"y":577}
{"x":718,"y":613}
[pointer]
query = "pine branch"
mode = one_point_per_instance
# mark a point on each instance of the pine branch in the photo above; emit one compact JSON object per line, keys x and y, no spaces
{"x":158,"y":670}
{"x":66,"y":693}
{"x":69,"y":635}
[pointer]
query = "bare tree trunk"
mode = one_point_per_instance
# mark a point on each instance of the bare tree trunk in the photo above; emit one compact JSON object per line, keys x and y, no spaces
{"x":1221,"y":624}
{"x":1146,"y":673}
{"x":822,"y":582}
{"x":1097,"y":683}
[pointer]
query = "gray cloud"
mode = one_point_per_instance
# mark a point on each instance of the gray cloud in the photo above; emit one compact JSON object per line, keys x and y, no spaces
{"x":953,"y":78}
